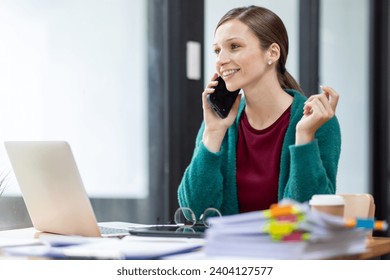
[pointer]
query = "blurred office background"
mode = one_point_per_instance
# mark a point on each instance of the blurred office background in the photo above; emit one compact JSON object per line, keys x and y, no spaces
{"x":121,"y":81}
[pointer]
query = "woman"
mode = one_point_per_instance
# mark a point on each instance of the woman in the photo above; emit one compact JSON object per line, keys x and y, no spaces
{"x":275,"y":143}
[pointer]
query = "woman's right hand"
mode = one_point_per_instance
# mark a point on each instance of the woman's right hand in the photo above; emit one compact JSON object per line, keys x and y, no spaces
{"x":216,"y":127}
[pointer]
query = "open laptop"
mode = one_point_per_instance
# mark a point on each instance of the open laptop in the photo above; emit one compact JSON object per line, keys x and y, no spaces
{"x":53,"y":191}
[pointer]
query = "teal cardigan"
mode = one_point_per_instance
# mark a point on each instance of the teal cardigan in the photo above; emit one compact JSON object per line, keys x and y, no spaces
{"x":210,"y":178}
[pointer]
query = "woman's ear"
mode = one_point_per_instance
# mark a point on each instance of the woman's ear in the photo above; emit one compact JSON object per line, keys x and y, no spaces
{"x":273,"y":52}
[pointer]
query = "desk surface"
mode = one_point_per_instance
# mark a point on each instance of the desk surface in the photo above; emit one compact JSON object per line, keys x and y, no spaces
{"x":376,"y":246}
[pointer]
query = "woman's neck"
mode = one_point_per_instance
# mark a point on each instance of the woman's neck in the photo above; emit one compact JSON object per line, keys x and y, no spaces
{"x":265,"y":104}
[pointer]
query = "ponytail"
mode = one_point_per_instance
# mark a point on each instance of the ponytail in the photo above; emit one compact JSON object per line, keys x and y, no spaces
{"x":287,"y":81}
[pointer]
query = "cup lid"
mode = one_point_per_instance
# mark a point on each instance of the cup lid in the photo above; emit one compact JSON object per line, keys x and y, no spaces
{"x":326,"y":199}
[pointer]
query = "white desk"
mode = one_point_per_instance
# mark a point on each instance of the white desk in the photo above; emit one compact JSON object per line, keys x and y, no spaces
{"x":20,"y":233}
{"x":129,"y":247}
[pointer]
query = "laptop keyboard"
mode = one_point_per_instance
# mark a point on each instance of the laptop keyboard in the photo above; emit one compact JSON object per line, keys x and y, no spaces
{"x":113,"y":231}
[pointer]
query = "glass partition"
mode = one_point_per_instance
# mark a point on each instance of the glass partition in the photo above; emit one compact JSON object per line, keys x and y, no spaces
{"x":344,"y":43}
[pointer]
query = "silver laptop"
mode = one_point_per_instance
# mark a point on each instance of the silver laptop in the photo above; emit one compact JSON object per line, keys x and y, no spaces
{"x":53,"y":191}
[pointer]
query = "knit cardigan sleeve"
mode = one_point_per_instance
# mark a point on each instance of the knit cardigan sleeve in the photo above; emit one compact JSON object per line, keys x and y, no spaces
{"x":313,"y":166}
{"x":202,"y":183}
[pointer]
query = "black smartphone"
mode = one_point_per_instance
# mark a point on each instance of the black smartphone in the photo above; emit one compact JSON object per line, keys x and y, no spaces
{"x":170,"y":231}
{"x":222,"y":100}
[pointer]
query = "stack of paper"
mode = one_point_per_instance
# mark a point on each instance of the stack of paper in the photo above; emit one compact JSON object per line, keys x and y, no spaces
{"x":129,"y":247}
{"x":288,"y":230}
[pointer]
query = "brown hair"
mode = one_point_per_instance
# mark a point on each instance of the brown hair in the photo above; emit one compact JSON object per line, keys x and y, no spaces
{"x":268,"y":28}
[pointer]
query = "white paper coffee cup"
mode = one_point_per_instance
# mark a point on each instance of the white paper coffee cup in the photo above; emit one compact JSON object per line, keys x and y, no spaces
{"x":328,"y":203}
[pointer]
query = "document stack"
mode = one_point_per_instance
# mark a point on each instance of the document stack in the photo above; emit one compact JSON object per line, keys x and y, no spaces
{"x":287,"y":230}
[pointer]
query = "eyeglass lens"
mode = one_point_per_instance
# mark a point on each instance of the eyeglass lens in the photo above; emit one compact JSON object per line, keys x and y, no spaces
{"x":209,"y":213}
{"x":185,"y":217}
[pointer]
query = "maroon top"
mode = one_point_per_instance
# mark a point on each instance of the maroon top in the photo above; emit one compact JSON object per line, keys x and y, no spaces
{"x":258,"y":163}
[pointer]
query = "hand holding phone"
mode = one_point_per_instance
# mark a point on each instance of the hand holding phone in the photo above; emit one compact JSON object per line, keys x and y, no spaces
{"x":222,"y":100}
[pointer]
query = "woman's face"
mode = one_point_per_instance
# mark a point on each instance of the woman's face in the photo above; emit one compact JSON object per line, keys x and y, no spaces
{"x":240,"y":60}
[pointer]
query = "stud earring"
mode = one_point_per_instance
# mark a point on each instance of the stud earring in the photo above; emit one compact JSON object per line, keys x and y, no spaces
{"x":270,"y":62}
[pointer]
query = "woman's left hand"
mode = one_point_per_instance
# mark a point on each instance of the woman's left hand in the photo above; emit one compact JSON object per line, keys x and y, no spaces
{"x":318,"y":110}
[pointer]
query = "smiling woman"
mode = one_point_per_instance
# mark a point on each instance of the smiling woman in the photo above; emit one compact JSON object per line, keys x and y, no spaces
{"x":274,"y":143}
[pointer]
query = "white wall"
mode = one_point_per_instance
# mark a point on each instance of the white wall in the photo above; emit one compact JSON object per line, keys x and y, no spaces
{"x":344,"y":66}
{"x":76,"y":71}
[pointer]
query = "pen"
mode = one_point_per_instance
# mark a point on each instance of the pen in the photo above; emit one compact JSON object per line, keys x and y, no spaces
{"x":367,"y":224}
